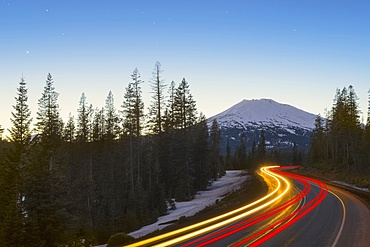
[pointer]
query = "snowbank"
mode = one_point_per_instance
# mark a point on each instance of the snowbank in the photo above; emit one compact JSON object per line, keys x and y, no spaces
{"x":351,"y":185}
{"x":230,"y":182}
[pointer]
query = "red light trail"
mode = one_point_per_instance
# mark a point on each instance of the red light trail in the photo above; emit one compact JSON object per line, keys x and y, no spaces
{"x":273,"y":229}
{"x":280,"y":209}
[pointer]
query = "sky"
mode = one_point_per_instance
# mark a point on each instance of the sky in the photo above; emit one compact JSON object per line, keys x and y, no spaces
{"x":295,"y":52}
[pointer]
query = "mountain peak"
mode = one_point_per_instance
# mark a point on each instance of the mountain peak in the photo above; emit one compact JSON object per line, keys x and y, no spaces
{"x":266,"y":112}
{"x":284,"y":125}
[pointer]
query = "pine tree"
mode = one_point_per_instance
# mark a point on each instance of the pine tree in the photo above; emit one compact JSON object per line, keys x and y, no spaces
{"x":111,"y":119}
{"x":184,"y":115}
{"x":354,"y":131}
{"x":133,"y":106}
{"x":84,"y":120}
{"x":69,"y":133}
{"x":344,"y":130}
{"x":49,"y":124}
{"x":98,"y":125}
{"x":205,"y":164}
{"x":317,"y":152}
{"x":21,"y":119}
{"x":133,"y":114}
{"x":169,"y":120}
{"x":353,"y":108}
{"x":47,"y":205}
{"x":157,"y":107}
{"x":12,"y":228}
{"x":184,"y":107}
{"x":337,"y":122}
{"x":156,"y":125}
{"x":20,"y":133}
{"x":85,"y":183}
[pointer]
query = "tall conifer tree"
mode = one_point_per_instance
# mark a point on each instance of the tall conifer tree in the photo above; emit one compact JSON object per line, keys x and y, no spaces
{"x":169,"y":120}
{"x":133,"y":114}
{"x":317,"y":152}
{"x":20,"y":133}
{"x":84,"y":120}
{"x":69,"y":133}
{"x":156,"y":109}
{"x":98,"y":125}
{"x":46,"y":179}
{"x":12,"y":226}
{"x":111,"y":118}
{"x":49,"y":124}
{"x":133,"y":106}
{"x":184,"y":106}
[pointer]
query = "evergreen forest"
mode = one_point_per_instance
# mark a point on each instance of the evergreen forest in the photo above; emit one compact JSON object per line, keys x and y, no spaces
{"x":106,"y":170}
{"x":340,"y":143}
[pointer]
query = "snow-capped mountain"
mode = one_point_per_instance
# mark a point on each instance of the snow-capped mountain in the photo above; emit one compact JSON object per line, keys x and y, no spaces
{"x":283,"y":124}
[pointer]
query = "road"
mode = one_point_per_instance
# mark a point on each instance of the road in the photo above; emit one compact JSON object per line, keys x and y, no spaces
{"x":340,"y":220}
{"x":297,"y":211}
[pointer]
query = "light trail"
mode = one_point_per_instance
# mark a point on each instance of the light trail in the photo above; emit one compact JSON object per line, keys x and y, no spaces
{"x":276,"y":179}
{"x":252,"y":221}
{"x":297,"y":215}
{"x":264,"y":170}
{"x":235,"y":218}
{"x":301,"y":203}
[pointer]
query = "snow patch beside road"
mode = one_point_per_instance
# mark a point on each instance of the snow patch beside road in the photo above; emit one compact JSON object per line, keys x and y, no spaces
{"x":218,"y":190}
{"x":351,"y":185}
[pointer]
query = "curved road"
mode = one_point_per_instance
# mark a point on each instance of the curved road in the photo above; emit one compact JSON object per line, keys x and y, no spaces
{"x":356,"y":230}
{"x":340,"y":220}
{"x":302,"y":212}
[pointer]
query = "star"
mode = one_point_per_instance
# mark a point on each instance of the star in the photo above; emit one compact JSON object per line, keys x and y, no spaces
{"x":46,"y":10}
{"x":27,"y":52}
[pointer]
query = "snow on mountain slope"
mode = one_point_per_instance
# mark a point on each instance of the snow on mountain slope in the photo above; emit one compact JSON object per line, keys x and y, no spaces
{"x":265,"y":112}
{"x":284,"y":125}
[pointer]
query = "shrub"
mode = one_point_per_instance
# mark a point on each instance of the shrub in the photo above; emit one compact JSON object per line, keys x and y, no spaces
{"x":119,"y":239}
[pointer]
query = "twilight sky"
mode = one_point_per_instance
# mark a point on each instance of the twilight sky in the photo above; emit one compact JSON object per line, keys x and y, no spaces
{"x":295,"y":52}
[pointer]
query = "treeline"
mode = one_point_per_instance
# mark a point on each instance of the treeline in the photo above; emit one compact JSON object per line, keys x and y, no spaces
{"x":340,"y":141}
{"x":259,"y":154}
{"x":105,"y":171}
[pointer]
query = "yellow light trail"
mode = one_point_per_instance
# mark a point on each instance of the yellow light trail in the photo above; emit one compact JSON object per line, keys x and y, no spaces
{"x":265,"y":170}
